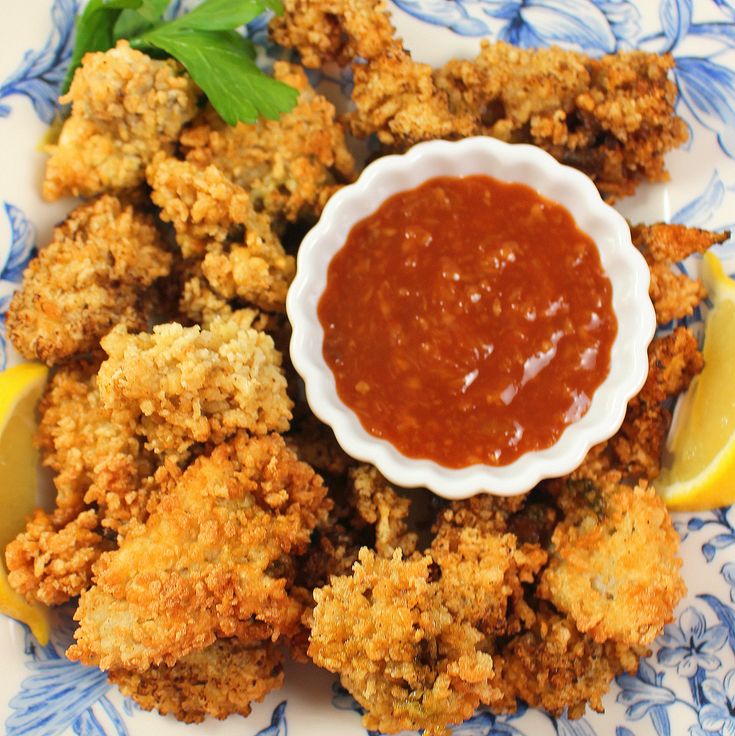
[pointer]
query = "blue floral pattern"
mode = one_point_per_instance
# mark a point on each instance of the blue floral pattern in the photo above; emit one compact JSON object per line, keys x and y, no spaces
{"x":20,"y":251}
{"x":688,"y":685}
{"x":40,"y":73}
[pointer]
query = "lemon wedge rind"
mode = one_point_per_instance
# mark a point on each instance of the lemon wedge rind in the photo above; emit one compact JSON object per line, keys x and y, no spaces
{"x":20,"y":389}
{"x":699,"y":473}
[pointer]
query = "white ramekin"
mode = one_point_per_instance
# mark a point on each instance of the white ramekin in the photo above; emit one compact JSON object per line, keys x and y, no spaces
{"x":623,"y":264}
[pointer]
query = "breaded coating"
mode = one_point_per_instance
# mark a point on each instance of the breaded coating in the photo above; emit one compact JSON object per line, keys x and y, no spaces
{"x":209,"y":562}
{"x":490,"y":514}
{"x":125,"y":106}
{"x":92,"y":276}
{"x":674,"y":294}
{"x":214,"y":219}
{"x":673,"y":361}
{"x":334,"y":30}
{"x":611,"y":117}
{"x":397,"y":647}
{"x":186,"y":385}
{"x":223,"y":679}
{"x":100,"y":474}
{"x":482,"y":575}
{"x":94,"y":452}
{"x":614,"y":569}
{"x":378,"y":505}
{"x":555,"y":667}
{"x":290,"y":167}
{"x":51,"y":561}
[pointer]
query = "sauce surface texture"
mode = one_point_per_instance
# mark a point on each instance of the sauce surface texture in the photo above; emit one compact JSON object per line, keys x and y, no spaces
{"x":467,"y":321}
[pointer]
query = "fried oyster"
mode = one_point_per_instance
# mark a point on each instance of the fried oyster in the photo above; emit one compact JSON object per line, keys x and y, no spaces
{"x":125,"y":106}
{"x":212,"y":560}
{"x":95,"y":274}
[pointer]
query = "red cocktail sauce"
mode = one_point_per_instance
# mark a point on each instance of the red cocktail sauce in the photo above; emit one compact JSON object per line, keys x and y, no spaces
{"x":468,"y":321}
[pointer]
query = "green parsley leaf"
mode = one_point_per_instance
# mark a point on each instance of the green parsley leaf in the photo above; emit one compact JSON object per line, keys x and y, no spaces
{"x":135,"y":22}
{"x":222,"y":15}
{"x":220,"y":63}
{"x":94,"y":31}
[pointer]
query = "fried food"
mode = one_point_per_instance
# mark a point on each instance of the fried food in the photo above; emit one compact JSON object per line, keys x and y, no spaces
{"x":93,"y":275}
{"x":397,"y":647}
{"x":100,"y":473}
{"x":482,"y":576}
{"x":614,"y":570}
{"x":334,"y":30}
{"x":215,"y":220}
{"x":290,"y":167}
{"x":51,"y":561}
{"x":378,"y":505}
{"x":674,"y":295}
{"x":555,"y":667}
{"x":212,"y":560}
{"x":223,"y":679}
{"x":186,"y":385}
{"x":125,"y":106}
{"x":611,"y":117}
{"x":673,"y":361}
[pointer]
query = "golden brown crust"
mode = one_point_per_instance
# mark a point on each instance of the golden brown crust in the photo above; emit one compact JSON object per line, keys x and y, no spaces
{"x":555,"y":667}
{"x":219,"y":681}
{"x":614,"y":569}
{"x":334,"y":30}
{"x":92,"y":276}
{"x":397,"y":648}
{"x":185,"y":385}
{"x":675,"y":295}
{"x":611,"y":117}
{"x":125,"y":106}
{"x":289,"y":167}
{"x":101,"y":474}
{"x":51,"y":561}
{"x":215,"y":220}
{"x":673,"y":361}
{"x":212,"y":560}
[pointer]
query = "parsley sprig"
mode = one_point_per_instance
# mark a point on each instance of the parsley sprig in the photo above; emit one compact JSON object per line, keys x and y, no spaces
{"x":219,"y":59}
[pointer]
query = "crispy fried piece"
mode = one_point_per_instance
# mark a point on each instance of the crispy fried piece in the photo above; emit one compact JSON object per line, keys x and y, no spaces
{"x":291,"y":166}
{"x":185,"y":385}
{"x":555,"y":667}
{"x":126,"y":106}
{"x":611,"y":117}
{"x":614,"y":570}
{"x":211,"y":560}
{"x":378,"y":505}
{"x":674,"y":295}
{"x":101,"y":478}
{"x":92,"y":276}
{"x":96,"y":456}
{"x":397,"y":647}
{"x":210,"y":214}
{"x":481,"y":577}
{"x":490,"y":514}
{"x":51,"y":561}
{"x":398,"y":99}
{"x":223,"y":679}
{"x":673,"y":361}
{"x":334,"y":30}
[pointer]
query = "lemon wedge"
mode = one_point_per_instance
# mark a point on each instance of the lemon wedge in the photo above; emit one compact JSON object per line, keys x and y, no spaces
{"x":20,"y":389}
{"x":699,"y":470}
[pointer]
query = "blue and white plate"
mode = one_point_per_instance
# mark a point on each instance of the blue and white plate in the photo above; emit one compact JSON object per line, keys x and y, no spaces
{"x":687,"y":687}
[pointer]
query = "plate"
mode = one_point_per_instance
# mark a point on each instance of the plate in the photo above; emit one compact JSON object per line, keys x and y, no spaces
{"x":687,"y":686}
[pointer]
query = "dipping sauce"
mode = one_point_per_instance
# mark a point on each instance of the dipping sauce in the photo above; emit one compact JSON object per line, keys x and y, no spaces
{"x":467,"y":321}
